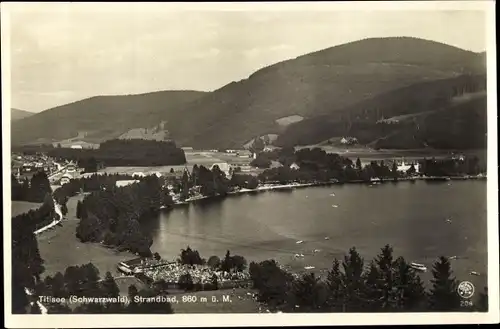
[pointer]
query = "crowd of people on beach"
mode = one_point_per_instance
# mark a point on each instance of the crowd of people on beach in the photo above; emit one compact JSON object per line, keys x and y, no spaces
{"x":199,"y":273}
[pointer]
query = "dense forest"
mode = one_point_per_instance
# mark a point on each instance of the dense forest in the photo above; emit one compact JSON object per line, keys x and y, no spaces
{"x":125,"y":152}
{"x":27,"y":265}
{"x":386,"y":284}
{"x":406,"y":118}
{"x":32,"y":190}
{"x":115,"y":152}
{"x":112,"y":215}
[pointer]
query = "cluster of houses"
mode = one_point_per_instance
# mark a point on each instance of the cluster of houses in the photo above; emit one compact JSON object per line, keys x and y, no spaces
{"x":349,"y":140}
{"x":70,"y":172}
{"x":27,"y":165}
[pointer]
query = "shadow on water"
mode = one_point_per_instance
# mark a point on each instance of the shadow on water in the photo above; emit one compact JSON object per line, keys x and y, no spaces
{"x":212,"y":204}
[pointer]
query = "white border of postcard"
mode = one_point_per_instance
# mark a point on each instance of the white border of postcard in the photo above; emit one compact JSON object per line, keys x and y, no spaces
{"x":220,"y":320}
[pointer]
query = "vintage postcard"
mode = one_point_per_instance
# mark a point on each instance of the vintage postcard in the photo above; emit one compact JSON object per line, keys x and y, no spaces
{"x":278,"y":164}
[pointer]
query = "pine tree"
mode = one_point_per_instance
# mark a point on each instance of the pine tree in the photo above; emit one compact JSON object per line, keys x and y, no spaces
{"x":215,"y":282}
{"x":384,"y":263}
{"x":410,"y":292}
{"x":352,"y":281}
{"x":443,"y":295}
{"x":394,"y":170}
{"x":79,"y":210}
{"x":132,"y":293}
{"x":109,"y":286}
{"x":307,"y":294}
{"x":335,"y":288}
{"x":358,"y":164}
{"x":373,"y":289}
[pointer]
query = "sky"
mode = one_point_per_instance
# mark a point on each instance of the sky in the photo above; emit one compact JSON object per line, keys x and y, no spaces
{"x":64,"y":53}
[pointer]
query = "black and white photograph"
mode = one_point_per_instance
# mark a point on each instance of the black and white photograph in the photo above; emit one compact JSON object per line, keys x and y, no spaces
{"x":203,"y":163}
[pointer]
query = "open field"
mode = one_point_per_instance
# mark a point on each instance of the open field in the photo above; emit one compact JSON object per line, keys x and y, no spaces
{"x":240,"y":302}
{"x":123,"y":282}
{"x":60,"y":248}
{"x":21,"y":207}
{"x":201,"y":158}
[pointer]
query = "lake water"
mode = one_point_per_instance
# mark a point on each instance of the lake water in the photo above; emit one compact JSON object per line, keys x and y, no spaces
{"x":411,"y":217}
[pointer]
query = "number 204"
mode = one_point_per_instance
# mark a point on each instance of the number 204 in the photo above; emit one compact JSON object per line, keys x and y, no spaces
{"x":466,"y":303}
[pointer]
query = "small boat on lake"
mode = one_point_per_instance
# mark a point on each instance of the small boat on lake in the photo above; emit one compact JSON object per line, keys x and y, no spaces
{"x":309,"y":267}
{"x":475,"y":273}
{"x":327,"y":238}
{"x":299,"y":242}
{"x":418,"y":267}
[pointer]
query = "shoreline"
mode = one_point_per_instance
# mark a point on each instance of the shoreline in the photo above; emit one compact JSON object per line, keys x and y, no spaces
{"x":263,"y":188}
{"x":290,"y":186}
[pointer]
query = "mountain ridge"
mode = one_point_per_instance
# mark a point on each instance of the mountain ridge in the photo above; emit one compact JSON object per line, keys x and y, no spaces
{"x":311,"y":85}
{"x":17,"y":114}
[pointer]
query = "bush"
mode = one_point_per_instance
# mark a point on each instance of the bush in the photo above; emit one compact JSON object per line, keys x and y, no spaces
{"x":186,"y":282}
{"x":214,"y":262}
{"x":190,"y":257}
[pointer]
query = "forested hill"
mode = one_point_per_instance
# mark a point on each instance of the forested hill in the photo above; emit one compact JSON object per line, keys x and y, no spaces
{"x":410,"y":117}
{"x":310,"y":86}
{"x":16,"y":114}
{"x":103,"y":117}
{"x":316,"y":84}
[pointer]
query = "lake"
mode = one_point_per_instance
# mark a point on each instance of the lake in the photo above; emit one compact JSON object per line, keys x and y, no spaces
{"x":411,"y":217}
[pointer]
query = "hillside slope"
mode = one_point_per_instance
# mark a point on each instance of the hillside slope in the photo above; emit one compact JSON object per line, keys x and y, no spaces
{"x":102,"y":117}
{"x":317,"y":84}
{"x":16,"y":114}
{"x":386,"y":114}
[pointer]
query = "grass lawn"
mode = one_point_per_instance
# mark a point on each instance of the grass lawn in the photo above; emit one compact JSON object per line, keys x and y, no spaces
{"x":123,"y":282}
{"x":21,"y":207}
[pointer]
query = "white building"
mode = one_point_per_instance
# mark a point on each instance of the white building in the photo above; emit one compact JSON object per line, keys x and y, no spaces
{"x":223,"y":166}
{"x":71,"y":167}
{"x":138,"y":174}
{"x":122,"y":183}
{"x":78,"y":147}
{"x":403,"y":167}
{"x":349,"y":140}
{"x":65,"y":179}
{"x":294,"y":166}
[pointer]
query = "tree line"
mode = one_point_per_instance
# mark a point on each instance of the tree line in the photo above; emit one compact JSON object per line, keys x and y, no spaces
{"x":386,"y":284}
{"x":27,"y":264}
{"x":30,"y":190}
{"x":87,"y":184}
{"x":123,"y":152}
{"x":317,"y":165}
{"x":210,"y":182}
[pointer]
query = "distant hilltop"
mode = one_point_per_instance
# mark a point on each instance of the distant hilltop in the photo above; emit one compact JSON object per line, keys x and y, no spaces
{"x":303,"y":100}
